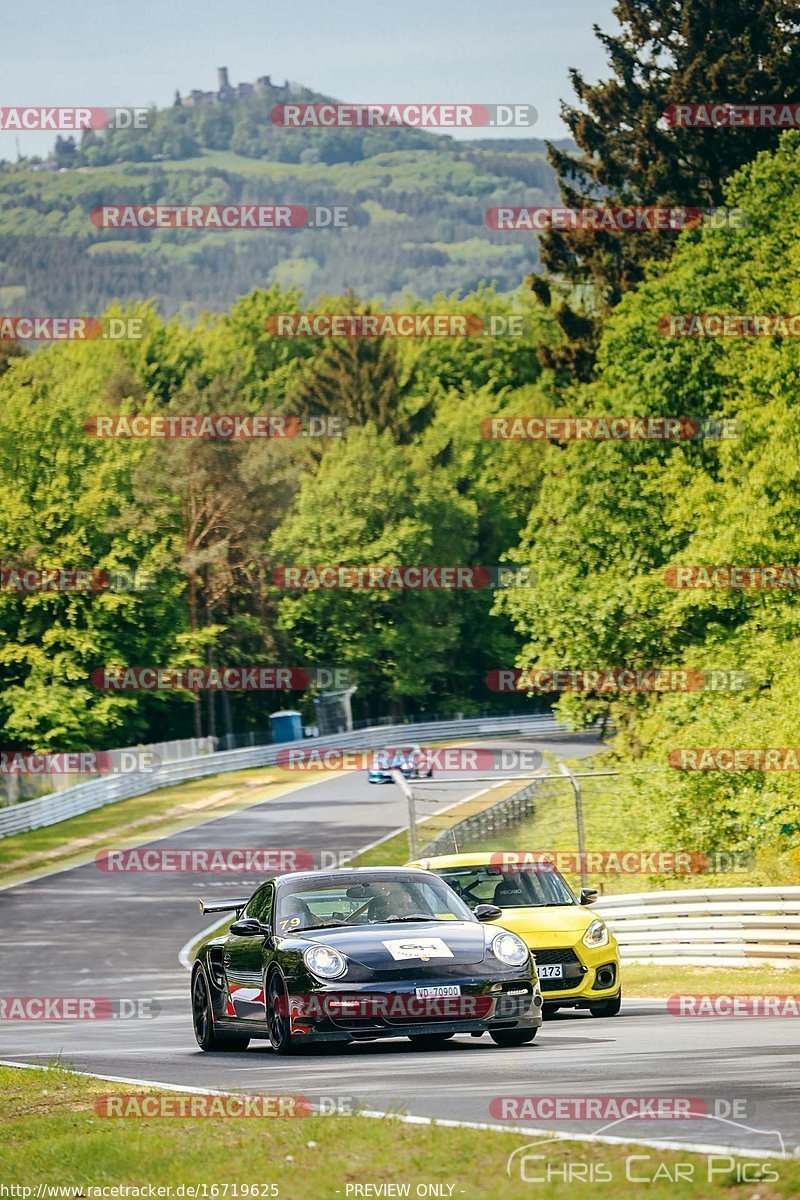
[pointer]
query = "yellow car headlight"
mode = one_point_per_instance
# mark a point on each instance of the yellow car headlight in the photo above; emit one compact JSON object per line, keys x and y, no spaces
{"x":596,"y":935}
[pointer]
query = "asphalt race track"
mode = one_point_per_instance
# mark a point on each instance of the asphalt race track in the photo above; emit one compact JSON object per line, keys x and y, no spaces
{"x":84,"y":932}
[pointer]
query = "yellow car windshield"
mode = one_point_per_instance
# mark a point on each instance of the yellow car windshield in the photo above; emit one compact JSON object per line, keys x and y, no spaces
{"x":525,"y":886}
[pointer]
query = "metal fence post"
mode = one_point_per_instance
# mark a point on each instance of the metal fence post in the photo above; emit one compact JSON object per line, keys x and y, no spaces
{"x":576,"y":787}
{"x":405,"y":787}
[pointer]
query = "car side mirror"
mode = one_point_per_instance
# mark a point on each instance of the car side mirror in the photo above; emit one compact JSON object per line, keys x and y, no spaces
{"x":487,"y":912}
{"x":249,"y":927}
{"x":588,"y":895}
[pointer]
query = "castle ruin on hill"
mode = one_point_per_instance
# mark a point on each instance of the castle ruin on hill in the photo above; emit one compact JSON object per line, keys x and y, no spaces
{"x":225,"y":91}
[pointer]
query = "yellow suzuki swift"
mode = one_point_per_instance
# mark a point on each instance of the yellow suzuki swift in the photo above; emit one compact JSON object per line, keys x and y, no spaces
{"x":576,"y":954}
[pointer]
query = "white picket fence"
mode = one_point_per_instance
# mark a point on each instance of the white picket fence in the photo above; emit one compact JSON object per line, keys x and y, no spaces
{"x":713,"y":926}
{"x":84,"y":797}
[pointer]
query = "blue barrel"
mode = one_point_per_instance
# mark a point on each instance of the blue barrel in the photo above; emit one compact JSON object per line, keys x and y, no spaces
{"x":286,"y":726}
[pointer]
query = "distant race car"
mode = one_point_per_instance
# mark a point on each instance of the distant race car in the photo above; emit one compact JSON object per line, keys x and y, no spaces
{"x":577,"y":955}
{"x":412,"y":761}
{"x":355,"y":955}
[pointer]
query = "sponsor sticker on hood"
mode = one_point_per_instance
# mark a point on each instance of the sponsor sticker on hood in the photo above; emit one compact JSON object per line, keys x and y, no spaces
{"x":421,"y":948}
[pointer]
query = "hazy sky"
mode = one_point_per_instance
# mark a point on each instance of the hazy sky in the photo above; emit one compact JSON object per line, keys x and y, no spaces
{"x":57,"y":53}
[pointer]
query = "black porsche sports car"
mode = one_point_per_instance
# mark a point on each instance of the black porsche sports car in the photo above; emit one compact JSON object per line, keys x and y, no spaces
{"x":354,"y":955}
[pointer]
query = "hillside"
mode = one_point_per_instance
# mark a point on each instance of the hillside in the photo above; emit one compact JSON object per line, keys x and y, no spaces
{"x":416,"y":224}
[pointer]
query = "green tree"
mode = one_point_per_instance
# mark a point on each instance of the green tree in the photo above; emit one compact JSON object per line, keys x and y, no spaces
{"x":612,"y":519}
{"x":358,"y":379}
{"x":692,"y":51}
{"x":365,"y":507}
{"x":64,"y":503}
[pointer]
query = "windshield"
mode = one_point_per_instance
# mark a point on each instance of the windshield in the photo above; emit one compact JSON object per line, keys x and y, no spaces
{"x":528,"y":887}
{"x":306,"y":905}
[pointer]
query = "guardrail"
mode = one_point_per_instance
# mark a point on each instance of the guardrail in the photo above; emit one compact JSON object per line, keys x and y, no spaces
{"x":484,"y":824}
{"x":723,"y":926}
{"x":85,"y":797}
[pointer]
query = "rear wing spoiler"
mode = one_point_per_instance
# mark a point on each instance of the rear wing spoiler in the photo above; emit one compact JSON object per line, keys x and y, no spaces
{"x":216,"y":906}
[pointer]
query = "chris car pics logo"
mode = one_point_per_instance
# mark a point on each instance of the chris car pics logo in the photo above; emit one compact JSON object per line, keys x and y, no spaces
{"x":552,"y":1160}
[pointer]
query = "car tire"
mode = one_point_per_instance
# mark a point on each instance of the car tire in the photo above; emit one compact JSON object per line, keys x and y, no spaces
{"x":609,"y":1008}
{"x":278,"y":1027}
{"x":549,"y":1011}
{"x":206,"y":1035}
{"x":429,"y":1041}
{"x":512,"y":1037}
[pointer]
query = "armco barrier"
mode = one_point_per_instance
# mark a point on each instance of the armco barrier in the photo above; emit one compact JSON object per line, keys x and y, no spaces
{"x":84,"y":797}
{"x":707,"y":926}
{"x":503,"y":815}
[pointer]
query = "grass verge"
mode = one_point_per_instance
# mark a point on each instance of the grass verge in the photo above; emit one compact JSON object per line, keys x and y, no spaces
{"x":663,"y":980}
{"x":53,"y":1135}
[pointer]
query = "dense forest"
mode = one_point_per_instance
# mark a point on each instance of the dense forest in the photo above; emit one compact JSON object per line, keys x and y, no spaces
{"x":598,"y":527}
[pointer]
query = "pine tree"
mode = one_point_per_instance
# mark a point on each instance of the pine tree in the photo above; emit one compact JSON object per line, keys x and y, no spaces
{"x":679,"y":52}
{"x":361,"y":379}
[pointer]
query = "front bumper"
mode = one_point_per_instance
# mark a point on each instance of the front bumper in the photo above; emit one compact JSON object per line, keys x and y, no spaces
{"x":359,"y":1012}
{"x":589,"y":976}
{"x":385,"y":777}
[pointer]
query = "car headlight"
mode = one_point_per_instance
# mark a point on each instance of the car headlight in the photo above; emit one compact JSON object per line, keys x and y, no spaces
{"x":596,"y":935}
{"x":325,"y":962}
{"x":510,"y":949}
